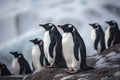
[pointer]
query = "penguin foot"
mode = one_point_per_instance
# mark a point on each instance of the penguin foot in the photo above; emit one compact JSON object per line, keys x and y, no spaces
{"x":71,"y":71}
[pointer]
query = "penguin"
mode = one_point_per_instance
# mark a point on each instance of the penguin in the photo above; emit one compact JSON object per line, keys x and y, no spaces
{"x":38,"y":57}
{"x":53,"y":45}
{"x":97,"y":37}
{"x":74,"y":50}
{"x":4,"y":70}
{"x":19,"y":64}
{"x":112,"y":34}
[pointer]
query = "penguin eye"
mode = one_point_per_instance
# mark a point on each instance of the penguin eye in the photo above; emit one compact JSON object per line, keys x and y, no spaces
{"x":50,"y":25}
{"x":73,"y":29}
{"x":69,"y":25}
{"x":19,"y":56}
{"x":113,"y":22}
{"x":96,"y":24}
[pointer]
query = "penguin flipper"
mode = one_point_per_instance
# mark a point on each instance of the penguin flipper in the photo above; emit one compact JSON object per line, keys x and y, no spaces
{"x":96,"y":43}
{"x":76,"y":53}
{"x":42,"y":57}
{"x":110,"y":41}
{"x":51,"y":47}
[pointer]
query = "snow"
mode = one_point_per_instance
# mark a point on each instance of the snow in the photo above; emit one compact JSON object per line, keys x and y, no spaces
{"x":84,"y":75}
{"x":66,"y":77}
{"x":113,"y":56}
{"x":104,"y":78}
{"x":96,"y":57}
{"x":82,"y":79}
{"x":102,"y":63}
{"x":117,"y":74}
{"x":59,"y":75}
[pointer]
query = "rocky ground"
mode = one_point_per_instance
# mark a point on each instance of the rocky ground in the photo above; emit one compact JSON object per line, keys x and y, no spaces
{"x":107,"y":67}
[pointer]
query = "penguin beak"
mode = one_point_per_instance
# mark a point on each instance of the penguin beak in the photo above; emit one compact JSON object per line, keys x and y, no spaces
{"x":91,"y":25}
{"x":60,"y":26}
{"x":42,"y":25}
{"x":107,"y":22}
{"x":12,"y":53}
{"x":31,"y":40}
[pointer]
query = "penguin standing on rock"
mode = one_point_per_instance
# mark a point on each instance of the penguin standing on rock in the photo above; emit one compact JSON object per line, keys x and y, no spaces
{"x":74,"y":50}
{"x":112,"y":34}
{"x":4,"y":70}
{"x":19,"y":64}
{"x":97,"y":37}
{"x":53,"y":45}
{"x":38,"y":57}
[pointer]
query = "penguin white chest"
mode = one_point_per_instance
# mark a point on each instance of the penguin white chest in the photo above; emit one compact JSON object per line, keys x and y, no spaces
{"x":68,"y":51}
{"x":107,"y":36}
{"x":93,"y":38}
{"x":46,"y":43}
{"x":46,"y":48}
{"x":93,"y":35}
{"x":15,"y":66}
{"x":36,"y":57}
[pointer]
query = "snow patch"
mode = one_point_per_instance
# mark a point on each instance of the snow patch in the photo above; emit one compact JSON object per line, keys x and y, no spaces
{"x":97,"y":57}
{"x":104,"y":78}
{"x":117,"y":74}
{"x":113,"y":56}
{"x":66,"y":77}
{"x":115,"y":66}
{"x":59,"y":75}
{"x":84,"y":75}
{"x":101,"y":63}
{"x":82,"y":79}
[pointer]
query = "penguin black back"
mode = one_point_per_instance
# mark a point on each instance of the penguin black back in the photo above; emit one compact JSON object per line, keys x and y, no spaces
{"x":114,"y":33}
{"x":99,"y":36}
{"x":4,"y":70}
{"x":56,"y":40}
{"x":24,"y":66}
{"x":78,"y":43}
{"x":40,"y":43}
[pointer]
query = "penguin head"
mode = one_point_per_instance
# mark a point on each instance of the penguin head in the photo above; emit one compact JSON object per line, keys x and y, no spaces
{"x":112,"y":23}
{"x":2,"y":66}
{"x":67,"y":27}
{"x":48,"y":26}
{"x":36,"y":41}
{"x":15,"y":54}
{"x":95,"y":25}
{"x":20,"y":55}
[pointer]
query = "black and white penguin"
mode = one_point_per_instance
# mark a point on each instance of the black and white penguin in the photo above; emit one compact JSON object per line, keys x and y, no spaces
{"x":74,"y":50}
{"x":38,"y":57}
{"x":112,"y":34}
{"x":19,"y":64}
{"x":53,"y":45}
{"x":97,"y":37}
{"x":4,"y":70}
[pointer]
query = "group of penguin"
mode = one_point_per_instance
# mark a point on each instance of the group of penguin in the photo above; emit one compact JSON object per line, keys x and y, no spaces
{"x":67,"y":50}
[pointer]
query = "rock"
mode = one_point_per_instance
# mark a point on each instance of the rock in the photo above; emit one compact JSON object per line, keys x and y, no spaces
{"x":107,"y":67}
